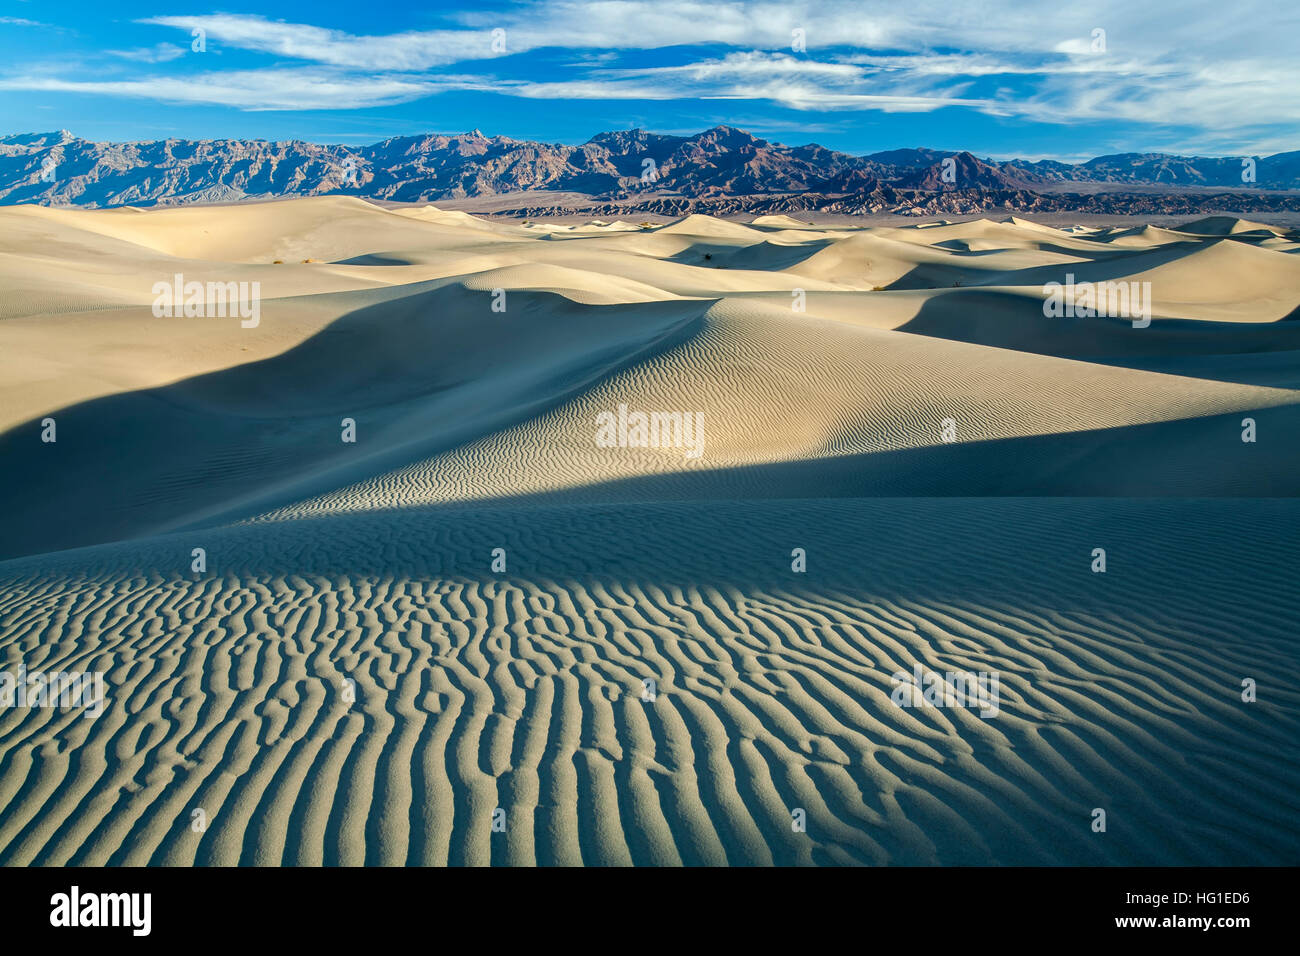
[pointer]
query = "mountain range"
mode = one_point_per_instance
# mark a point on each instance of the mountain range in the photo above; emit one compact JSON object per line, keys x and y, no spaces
{"x":628,"y":167}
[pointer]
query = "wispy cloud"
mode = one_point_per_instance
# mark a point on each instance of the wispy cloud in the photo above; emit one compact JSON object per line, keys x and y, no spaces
{"x":776,"y":77}
{"x":409,"y":51}
{"x":159,"y":53}
{"x":274,"y":89}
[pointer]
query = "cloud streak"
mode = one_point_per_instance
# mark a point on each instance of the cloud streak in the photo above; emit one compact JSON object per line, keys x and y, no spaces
{"x":277,"y":89}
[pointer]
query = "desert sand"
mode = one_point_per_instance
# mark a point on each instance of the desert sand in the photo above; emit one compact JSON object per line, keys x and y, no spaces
{"x":431,"y":645}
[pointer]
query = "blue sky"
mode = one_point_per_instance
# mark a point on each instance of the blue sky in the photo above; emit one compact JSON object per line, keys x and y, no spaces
{"x":1047,"y":79}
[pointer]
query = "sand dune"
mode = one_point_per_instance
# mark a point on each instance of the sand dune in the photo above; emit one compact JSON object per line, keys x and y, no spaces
{"x":780,"y":222}
{"x":894,"y":401}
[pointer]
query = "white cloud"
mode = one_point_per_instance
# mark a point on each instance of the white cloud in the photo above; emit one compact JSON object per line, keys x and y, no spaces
{"x":410,"y":51}
{"x":287,"y":89}
{"x":159,"y":53}
{"x":797,"y":83}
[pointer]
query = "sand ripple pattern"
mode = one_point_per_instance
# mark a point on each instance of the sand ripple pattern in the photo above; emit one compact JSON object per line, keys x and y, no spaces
{"x":776,"y":387}
{"x":523,"y":690}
